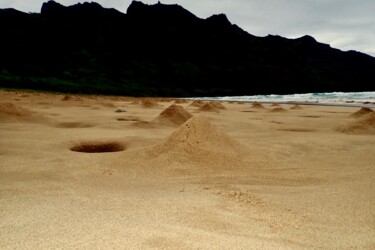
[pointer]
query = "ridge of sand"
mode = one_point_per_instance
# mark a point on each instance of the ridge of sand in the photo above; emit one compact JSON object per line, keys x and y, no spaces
{"x":363,"y":111}
{"x":208,"y":107}
{"x":364,"y":125}
{"x":173,"y":115}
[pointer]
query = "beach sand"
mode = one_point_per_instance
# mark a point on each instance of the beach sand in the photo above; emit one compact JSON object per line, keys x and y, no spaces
{"x":241,"y":177}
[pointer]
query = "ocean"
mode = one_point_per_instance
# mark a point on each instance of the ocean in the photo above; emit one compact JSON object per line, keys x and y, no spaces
{"x":334,"y":98}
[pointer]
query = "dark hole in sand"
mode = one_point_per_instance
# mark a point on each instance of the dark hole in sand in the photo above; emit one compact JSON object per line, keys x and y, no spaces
{"x":97,"y":147}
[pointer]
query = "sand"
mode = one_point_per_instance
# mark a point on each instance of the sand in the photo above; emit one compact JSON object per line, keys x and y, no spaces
{"x":363,"y":125}
{"x":278,"y":110}
{"x":257,"y":105}
{"x":76,"y":174}
{"x":197,"y":103}
{"x":363,"y":111}
{"x":217,"y":105}
{"x":174,"y":115}
{"x":296,"y":107}
{"x":208,"y":107}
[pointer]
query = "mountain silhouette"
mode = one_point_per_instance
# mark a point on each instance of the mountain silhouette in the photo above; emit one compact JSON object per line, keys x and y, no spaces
{"x":165,"y":50}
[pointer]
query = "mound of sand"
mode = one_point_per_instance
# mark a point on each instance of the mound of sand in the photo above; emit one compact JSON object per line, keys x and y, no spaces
{"x":71,"y":98}
{"x":198,"y":136}
{"x":66,"y":98}
{"x":196,"y":147}
{"x":278,"y":110}
{"x":12,"y":112}
{"x":363,"y":111}
{"x":217,"y":105}
{"x":197,"y":103}
{"x":364,"y":125}
{"x":149,"y":104}
{"x":296,"y":107}
{"x":208,"y":107}
{"x":10,"y":109}
{"x":257,"y":105}
{"x":174,"y":115}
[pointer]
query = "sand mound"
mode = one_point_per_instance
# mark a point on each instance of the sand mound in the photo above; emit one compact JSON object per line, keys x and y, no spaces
{"x":149,"y":104}
{"x":198,"y":136}
{"x":71,"y":98}
{"x":257,"y":105}
{"x":197,"y":103}
{"x":10,"y":109}
{"x":364,"y":125}
{"x":196,"y":147}
{"x":296,"y":107}
{"x":217,"y":105}
{"x":173,"y":115}
{"x":10,"y":112}
{"x":278,"y":110}
{"x":66,"y":98}
{"x":208,"y":107}
{"x":363,"y":111}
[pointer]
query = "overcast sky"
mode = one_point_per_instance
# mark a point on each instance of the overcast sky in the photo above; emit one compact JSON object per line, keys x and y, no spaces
{"x":344,"y":24}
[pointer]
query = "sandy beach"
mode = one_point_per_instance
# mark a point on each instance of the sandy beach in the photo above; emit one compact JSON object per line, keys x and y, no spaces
{"x":100,"y":172}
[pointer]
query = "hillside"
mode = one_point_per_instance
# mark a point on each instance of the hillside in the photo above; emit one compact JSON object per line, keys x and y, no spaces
{"x":164,"y":50}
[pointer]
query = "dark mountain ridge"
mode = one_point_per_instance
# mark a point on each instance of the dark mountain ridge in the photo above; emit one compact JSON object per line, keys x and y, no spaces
{"x":165,"y":50}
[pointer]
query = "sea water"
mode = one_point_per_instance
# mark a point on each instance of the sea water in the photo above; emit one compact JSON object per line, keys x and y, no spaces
{"x":334,"y":98}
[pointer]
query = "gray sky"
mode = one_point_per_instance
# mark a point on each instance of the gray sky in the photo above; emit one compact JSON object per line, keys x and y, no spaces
{"x":344,"y":24}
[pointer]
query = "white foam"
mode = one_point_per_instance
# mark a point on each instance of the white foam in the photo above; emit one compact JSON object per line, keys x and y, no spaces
{"x":319,"y":98}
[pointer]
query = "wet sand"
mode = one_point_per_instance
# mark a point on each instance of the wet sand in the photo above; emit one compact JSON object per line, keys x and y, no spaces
{"x":212,"y":176}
